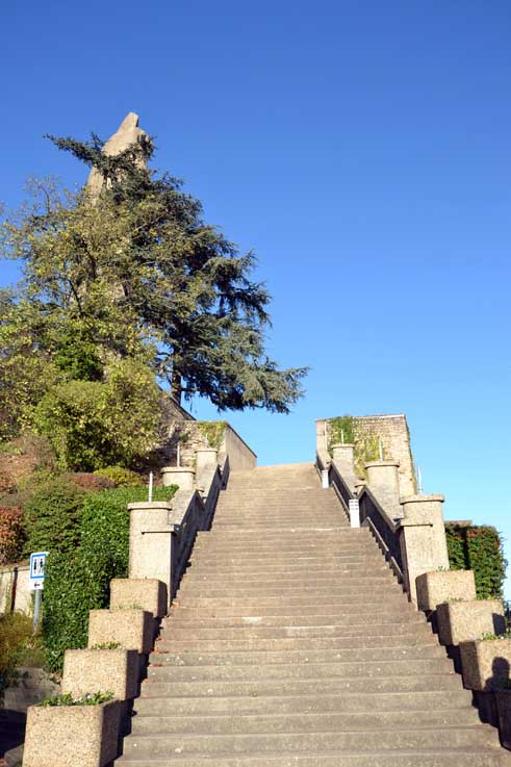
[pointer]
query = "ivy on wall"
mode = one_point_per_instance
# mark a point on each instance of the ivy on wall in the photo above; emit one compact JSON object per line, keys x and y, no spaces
{"x":213,"y":432}
{"x":343,"y":430}
{"x":478,"y":548}
{"x":78,"y":579}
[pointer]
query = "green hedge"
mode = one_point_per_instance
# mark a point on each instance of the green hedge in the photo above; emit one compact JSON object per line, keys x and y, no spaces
{"x":78,"y":580}
{"x":51,"y":515}
{"x":478,"y":549}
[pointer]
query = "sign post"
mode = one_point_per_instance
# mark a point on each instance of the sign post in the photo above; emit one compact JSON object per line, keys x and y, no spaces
{"x":36,"y":583}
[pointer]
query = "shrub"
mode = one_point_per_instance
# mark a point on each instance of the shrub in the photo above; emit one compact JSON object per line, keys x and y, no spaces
{"x":52,"y":515}
{"x":15,"y":637}
{"x":93,"y":424}
{"x":478,"y":549}
{"x":91,"y":482}
{"x":66,"y":699}
{"x":120,"y":477}
{"x":12,"y":534}
{"x":79,"y":580}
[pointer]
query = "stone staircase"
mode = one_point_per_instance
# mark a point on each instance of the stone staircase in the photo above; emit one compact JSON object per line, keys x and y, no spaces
{"x":290,"y":643}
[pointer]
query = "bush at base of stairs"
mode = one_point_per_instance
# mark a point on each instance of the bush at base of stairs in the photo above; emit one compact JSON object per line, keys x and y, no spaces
{"x":479,"y":549}
{"x":18,"y":646}
{"x":78,"y":580}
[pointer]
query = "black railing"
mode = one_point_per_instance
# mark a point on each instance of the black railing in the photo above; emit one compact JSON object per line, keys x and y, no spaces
{"x":372,"y":515}
{"x":340,"y":486}
{"x":384,"y":529}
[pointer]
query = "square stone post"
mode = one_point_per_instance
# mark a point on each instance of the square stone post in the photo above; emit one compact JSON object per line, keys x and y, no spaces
{"x":422,"y":538}
{"x":151,"y":542}
{"x":383,"y":480}
{"x":182,"y":476}
{"x":344,"y":459}
{"x":206,"y":465}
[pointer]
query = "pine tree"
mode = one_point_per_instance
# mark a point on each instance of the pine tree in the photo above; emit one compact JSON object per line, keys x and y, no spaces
{"x":135,"y":272}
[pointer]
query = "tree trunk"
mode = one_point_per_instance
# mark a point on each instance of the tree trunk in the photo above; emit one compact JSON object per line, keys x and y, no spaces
{"x":175,"y":387}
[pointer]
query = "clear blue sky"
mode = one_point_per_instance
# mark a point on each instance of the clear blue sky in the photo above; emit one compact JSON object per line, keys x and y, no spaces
{"x":363,"y":148}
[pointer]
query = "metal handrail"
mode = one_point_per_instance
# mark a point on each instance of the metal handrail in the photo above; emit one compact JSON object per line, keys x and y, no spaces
{"x":384,"y":529}
{"x":372,"y":515}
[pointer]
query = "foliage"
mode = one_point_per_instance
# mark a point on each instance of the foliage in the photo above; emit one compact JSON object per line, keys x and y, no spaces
{"x":12,"y":534}
{"x":106,"y":646}
{"x":26,"y":369}
{"x":52,"y":515}
{"x":17,"y":644}
{"x":134,"y":272}
{"x":213,"y":431}
{"x":66,"y":699}
{"x":92,"y":424}
{"x":120,"y":476}
{"x":90,"y":482}
{"x":78,"y":580}
{"x":478,"y":548}
{"x":343,"y":430}
{"x":490,"y":637}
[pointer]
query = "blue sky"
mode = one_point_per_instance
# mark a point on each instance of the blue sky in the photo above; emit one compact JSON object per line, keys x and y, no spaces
{"x":362,"y":148}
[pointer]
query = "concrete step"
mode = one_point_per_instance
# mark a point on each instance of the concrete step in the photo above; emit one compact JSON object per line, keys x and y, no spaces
{"x":307,"y":543}
{"x":257,"y":644}
{"x":258,"y":549}
{"x":313,"y":588}
{"x":262,"y":524}
{"x":257,"y":604}
{"x":253,"y":631}
{"x":305,"y":579}
{"x":325,"y":532}
{"x":284,"y":579}
{"x":184,"y":620}
{"x":407,"y":666}
{"x":335,"y":602}
{"x":340,"y":667}
{"x":217,"y":617}
{"x":310,"y":722}
{"x":446,"y":757}
{"x":312,"y":561}
{"x":352,"y":740}
{"x":347,"y":702}
{"x":182,"y":657}
{"x":289,"y":564}
{"x":328,"y":567}
{"x":241,"y":633}
{"x":276,"y":687}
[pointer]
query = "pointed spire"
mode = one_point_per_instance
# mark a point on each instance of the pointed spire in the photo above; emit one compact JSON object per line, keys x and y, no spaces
{"x":127,"y":133}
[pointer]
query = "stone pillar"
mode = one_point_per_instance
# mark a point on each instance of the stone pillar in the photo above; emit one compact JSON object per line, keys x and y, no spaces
{"x":183,"y":476}
{"x":206,"y":465}
{"x":344,"y":459}
{"x":383,"y":480}
{"x":151,"y":543}
{"x":321,"y":438}
{"x":422,"y":538}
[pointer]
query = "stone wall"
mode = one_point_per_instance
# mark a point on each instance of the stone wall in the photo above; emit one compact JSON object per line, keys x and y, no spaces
{"x":394,"y":434}
{"x":193,"y":435}
{"x":241,"y":456}
{"x":15,"y":577}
